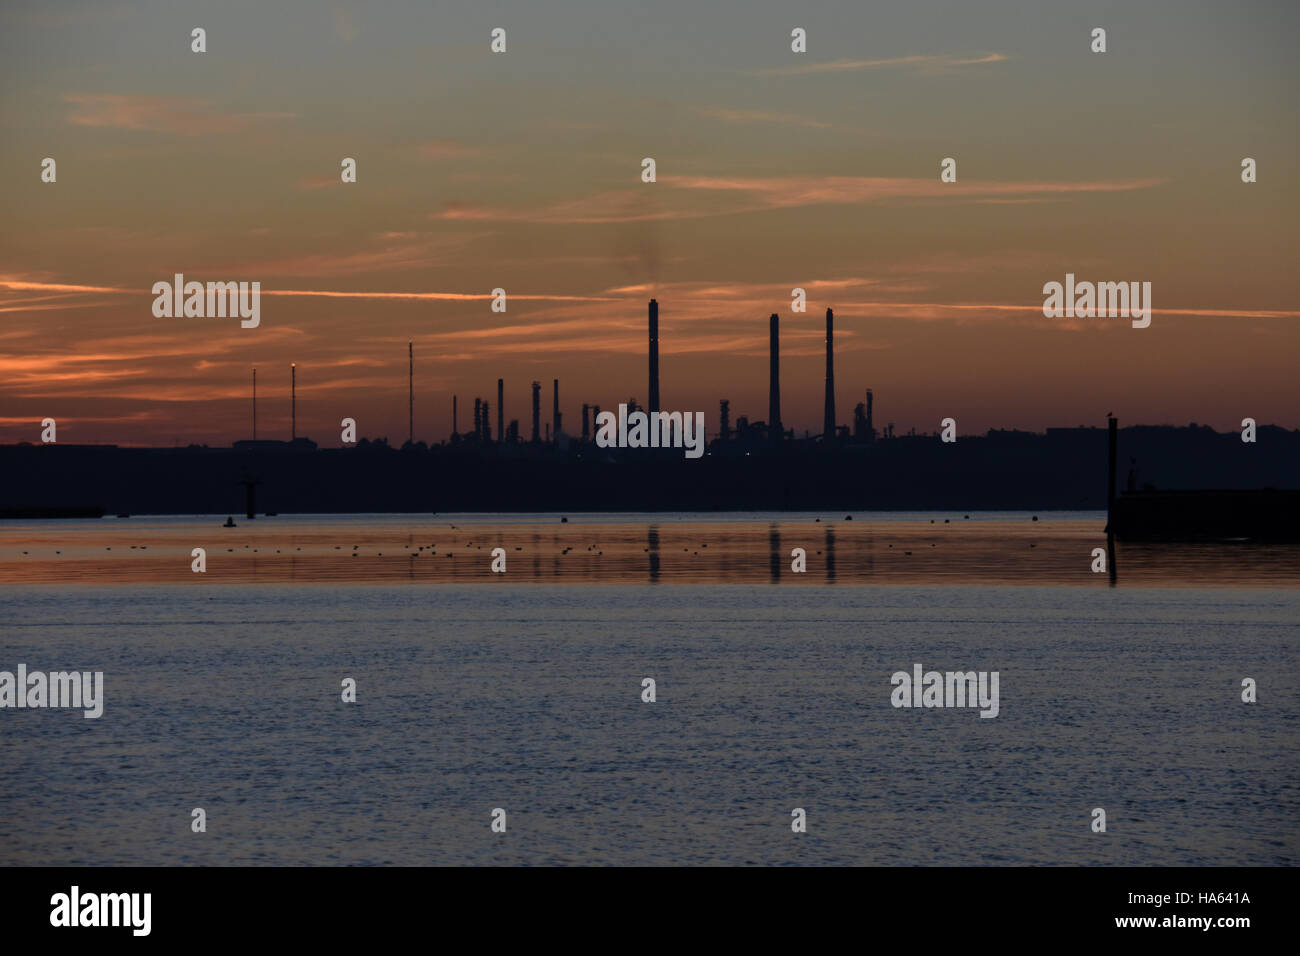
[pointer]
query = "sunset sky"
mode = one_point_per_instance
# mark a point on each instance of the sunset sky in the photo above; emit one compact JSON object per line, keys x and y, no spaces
{"x":522,"y":170}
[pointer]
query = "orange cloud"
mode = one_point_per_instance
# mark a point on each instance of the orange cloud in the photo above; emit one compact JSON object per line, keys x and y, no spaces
{"x":183,"y":115}
{"x":319,"y":182}
{"x":933,"y":63}
{"x":322,"y":265}
{"x":740,"y":194}
{"x":444,"y":149}
{"x":779,"y":192}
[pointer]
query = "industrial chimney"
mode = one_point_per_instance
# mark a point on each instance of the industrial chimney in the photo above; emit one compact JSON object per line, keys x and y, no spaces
{"x":501,"y":409}
{"x":775,"y":431}
{"x":828,"y":420}
{"x":537,"y":412}
{"x":555,"y":409}
{"x":654,"y":356}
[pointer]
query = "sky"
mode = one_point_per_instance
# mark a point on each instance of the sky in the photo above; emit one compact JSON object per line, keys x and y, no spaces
{"x":522,"y":170}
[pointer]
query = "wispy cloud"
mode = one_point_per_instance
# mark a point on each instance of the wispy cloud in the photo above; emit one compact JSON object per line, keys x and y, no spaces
{"x":319,"y":182}
{"x":759,"y":116}
{"x":394,"y":252}
{"x":740,"y":194}
{"x":633,"y":205}
{"x":10,"y":282}
{"x":444,"y":149}
{"x":321,"y":267}
{"x":182,"y":115}
{"x":930,"y":63}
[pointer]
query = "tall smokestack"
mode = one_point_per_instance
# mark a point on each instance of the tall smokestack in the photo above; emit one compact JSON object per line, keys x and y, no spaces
{"x":293,"y":401}
{"x":654,"y":356}
{"x":555,"y":410}
{"x":478,"y":418}
{"x":871,"y":429}
{"x":537,"y":412}
{"x":501,"y":409}
{"x":487,"y":423}
{"x":828,"y":419}
{"x":774,"y":382}
{"x":410,"y":393}
{"x":724,"y":407}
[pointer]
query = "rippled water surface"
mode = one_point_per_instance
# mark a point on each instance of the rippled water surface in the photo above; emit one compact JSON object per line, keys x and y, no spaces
{"x":526,"y":696}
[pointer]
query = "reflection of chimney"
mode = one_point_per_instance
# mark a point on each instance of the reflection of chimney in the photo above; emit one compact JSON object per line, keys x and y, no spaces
{"x":774,"y":383}
{"x":537,"y":412}
{"x":555,"y":410}
{"x":654,"y":356}
{"x":828,"y":421}
{"x":501,"y":409}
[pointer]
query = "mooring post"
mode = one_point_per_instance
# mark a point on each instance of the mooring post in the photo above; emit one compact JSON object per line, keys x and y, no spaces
{"x":1110,"y":488}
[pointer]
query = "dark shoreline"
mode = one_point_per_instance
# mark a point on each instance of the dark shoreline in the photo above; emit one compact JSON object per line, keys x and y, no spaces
{"x":1065,"y":469}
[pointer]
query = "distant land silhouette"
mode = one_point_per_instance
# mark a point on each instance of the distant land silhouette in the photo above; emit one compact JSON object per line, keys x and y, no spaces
{"x":1064,"y":469}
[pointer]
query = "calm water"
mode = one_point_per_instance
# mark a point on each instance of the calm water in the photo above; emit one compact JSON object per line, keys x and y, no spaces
{"x":525,"y":695}
{"x":872,"y":548}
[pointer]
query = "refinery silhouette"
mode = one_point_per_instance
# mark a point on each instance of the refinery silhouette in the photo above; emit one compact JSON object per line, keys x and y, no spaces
{"x":748,"y":435}
{"x":750,"y":465}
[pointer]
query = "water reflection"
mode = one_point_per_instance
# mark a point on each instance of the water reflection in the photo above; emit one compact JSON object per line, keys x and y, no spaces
{"x":426,"y":551}
{"x":776,"y":558}
{"x":652,"y":539}
{"x":828,"y":553}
